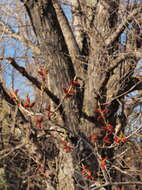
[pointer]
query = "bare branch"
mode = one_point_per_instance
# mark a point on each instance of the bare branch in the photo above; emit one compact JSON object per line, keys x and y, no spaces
{"x":118,"y":183}
{"x":123,"y":56}
{"x":17,"y":36}
{"x":26,"y":42}
{"x":67,"y":31}
{"x":7,"y":97}
{"x":123,"y":25}
{"x":33,"y":80}
{"x":6,"y":152}
{"x":136,"y":84}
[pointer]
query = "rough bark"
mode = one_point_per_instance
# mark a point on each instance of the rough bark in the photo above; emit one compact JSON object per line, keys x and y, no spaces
{"x":54,"y":48}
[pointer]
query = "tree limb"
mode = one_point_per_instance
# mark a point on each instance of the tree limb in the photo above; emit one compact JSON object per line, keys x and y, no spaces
{"x":67,"y":31}
{"x":123,"y":56}
{"x":6,"y":95}
{"x":17,"y":36}
{"x":26,"y":42}
{"x":8,"y":99}
{"x":118,"y":183}
{"x":135,"y":84}
{"x":123,"y":25}
{"x":33,"y":80}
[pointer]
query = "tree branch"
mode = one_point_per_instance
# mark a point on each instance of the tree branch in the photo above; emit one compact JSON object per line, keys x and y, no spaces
{"x":123,"y":25}
{"x":26,"y":42}
{"x":8,"y":99}
{"x":6,"y":95}
{"x":135,"y":84}
{"x":116,"y":184}
{"x":123,"y":56}
{"x":33,"y":80}
{"x":13,"y":34}
{"x":67,"y":31}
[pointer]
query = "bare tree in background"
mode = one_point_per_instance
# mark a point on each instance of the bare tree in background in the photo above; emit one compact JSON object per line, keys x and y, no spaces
{"x":83,"y":128}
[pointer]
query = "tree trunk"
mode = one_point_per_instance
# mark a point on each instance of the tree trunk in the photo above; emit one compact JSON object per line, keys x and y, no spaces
{"x":61,"y":69}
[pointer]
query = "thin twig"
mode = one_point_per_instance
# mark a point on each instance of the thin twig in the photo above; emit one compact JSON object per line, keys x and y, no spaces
{"x":10,"y":150}
{"x":115,"y":184}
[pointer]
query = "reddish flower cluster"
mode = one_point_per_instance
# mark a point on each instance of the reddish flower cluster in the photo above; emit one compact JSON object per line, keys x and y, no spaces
{"x":48,"y":108}
{"x":101,"y":113}
{"x":69,"y":91}
{"x":75,"y":83}
{"x":27,"y":103}
{"x":107,"y":139}
{"x":39,"y":120}
{"x":103,"y":162}
{"x":109,"y":129}
{"x":94,"y":138}
{"x":118,"y":140}
{"x":43,"y":74}
{"x":42,"y":171}
{"x":66,"y":146}
{"x":87,"y":173}
{"x":120,"y":188}
{"x":14,"y":94}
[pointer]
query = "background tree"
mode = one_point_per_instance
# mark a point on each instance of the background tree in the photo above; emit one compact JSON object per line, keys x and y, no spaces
{"x":79,"y":124}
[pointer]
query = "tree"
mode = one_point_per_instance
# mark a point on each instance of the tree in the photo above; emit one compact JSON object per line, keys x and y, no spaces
{"x":76,"y":131}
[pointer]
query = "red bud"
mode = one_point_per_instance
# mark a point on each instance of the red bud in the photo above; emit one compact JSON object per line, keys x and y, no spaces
{"x":75,"y":83}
